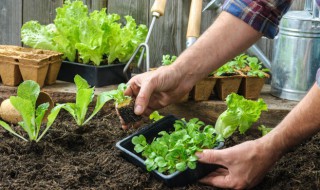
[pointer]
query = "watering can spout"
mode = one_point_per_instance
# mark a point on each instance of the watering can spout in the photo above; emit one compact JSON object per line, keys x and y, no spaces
{"x":256,"y":51}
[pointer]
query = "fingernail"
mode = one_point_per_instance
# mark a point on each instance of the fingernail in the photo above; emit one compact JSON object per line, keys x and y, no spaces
{"x":138,"y":110}
{"x":199,"y":155}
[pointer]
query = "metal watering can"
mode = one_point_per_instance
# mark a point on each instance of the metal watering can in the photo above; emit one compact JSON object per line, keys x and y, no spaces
{"x":296,"y":51}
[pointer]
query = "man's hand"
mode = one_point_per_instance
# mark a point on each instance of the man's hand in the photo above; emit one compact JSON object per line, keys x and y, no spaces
{"x":156,"y":89}
{"x":245,"y":164}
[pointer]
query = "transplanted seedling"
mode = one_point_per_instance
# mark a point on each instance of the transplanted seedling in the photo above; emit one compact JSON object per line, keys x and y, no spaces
{"x":84,"y":97}
{"x":124,"y":104}
{"x":25,"y":104}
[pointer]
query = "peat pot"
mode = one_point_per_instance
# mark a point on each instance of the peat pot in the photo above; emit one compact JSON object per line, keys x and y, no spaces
{"x":226,"y":85}
{"x":251,"y":87}
{"x":203,"y":89}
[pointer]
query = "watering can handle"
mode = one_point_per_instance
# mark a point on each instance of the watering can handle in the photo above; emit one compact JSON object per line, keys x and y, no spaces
{"x":194,"y":19}
{"x":158,"y":7}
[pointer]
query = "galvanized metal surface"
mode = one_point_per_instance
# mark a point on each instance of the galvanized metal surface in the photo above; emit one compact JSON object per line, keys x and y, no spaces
{"x":296,"y":55}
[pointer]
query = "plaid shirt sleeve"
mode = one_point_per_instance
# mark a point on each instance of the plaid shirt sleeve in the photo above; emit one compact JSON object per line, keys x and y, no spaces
{"x":262,"y":15}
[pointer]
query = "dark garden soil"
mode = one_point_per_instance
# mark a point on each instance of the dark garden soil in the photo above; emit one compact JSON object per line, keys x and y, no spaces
{"x":69,"y":157}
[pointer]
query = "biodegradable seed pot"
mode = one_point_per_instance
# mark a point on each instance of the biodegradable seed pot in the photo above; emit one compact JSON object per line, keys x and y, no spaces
{"x":203,"y":89}
{"x":251,"y":87}
{"x":226,"y":85}
{"x":17,"y":63}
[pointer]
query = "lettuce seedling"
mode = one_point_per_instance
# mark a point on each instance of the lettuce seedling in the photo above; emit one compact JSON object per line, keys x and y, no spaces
{"x":155,"y":116}
{"x":168,"y":59}
{"x":84,"y":97}
{"x":264,"y":130}
{"x":256,"y":68}
{"x":124,"y":104}
{"x":241,"y":113}
{"x":25,"y":104}
{"x":175,"y":151}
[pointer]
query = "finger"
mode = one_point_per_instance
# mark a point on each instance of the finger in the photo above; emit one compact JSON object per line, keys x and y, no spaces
{"x":212,"y":156}
{"x":220,"y":181}
{"x":143,"y":97}
{"x":132,"y":90}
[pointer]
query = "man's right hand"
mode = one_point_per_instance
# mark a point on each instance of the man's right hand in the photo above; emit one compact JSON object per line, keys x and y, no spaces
{"x":156,"y":89}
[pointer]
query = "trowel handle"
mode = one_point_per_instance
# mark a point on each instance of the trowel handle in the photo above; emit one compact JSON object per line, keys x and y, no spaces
{"x":158,"y":7}
{"x":194,"y":19}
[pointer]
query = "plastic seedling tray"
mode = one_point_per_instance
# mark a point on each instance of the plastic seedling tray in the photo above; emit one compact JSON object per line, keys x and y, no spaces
{"x":95,"y":75}
{"x":172,"y":180}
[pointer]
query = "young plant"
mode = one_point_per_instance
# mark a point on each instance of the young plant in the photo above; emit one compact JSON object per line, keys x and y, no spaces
{"x":256,"y":68}
{"x":96,"y":37}
{"x":264,"y":130}
{"x":175,"y":151}
{"x":155,"y":116}
{"x":84,"y":97}
{"x":124,"y":104}
{"x":241,"y":113}
{"x":25,"y":104}
{"x":168,"y":59}
{"x":227,"y":69}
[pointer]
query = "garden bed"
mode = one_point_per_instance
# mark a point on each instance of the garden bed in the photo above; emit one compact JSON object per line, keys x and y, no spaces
{"x":69,"y":157}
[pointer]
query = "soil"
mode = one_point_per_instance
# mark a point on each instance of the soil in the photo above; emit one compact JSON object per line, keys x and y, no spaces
{"x":69,"y":157}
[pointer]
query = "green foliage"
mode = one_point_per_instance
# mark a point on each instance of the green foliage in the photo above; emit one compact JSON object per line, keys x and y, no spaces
{"x":264,"y":130}
{"x":155,"y":116}
{"x":118,"y":94}
{"x":25,"y":103}
{"x":175,"y":151}
{"x":93,"y":35}
{"x":256,"y":68}
{"x":168,"y":59}
{"x":84,"y":97}
{"x":241,"y":113}
{"x":242,"y":64}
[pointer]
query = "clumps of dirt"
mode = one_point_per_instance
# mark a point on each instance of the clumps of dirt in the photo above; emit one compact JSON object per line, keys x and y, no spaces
{"x":69,"y":157}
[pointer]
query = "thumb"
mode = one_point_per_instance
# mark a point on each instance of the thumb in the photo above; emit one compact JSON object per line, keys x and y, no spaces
{"x":143,"y":97}
{"x":210,"y":156}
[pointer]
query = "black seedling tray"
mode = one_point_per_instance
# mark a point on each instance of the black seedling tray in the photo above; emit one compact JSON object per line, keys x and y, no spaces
{"x":172,"y":180}
{"x":95,"y":75}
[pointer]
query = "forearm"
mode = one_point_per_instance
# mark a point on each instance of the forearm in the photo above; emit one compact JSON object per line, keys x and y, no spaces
{"x":301,"y":123}
{"x":227,"y":37}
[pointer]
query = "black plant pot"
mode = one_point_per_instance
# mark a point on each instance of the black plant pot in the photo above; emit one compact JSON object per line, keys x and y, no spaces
{"x":95,"y":75}
{"x":172,"y":180}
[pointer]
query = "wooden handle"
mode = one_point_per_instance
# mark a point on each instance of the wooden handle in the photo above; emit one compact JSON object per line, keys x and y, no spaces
{"x":194,"y":19}
{"x":159,"y":7}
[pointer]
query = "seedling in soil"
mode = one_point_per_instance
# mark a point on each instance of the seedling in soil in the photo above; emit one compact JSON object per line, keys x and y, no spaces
{"x":168,"y":59}
{"x":241,"y":113}
{"x":264,"y":130}
{"x":175,"y":151}
{"x":124,"y":104}
{"x":84,"y":97}
{"x":25,"y":104}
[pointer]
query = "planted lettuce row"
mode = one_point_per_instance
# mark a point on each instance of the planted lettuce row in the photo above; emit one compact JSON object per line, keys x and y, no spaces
{"x":32,"y":116}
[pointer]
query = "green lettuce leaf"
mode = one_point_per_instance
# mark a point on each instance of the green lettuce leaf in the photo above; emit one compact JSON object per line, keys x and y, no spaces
{"x":39,"y":36}
{"x":101,"y":100}
{"x":241,"y":113}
